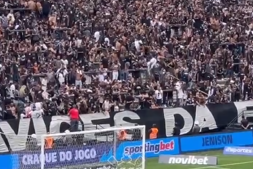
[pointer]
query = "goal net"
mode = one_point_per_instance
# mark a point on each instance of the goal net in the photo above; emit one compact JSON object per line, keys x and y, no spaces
{"x":111,"y":148}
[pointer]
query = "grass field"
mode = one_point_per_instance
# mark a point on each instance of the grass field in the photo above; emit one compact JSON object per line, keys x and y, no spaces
{"x":224,"y":162}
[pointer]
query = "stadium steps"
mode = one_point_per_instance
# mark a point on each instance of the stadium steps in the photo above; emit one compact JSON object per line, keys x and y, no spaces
{"x":234,"y":126}
{"x":235,"y":123}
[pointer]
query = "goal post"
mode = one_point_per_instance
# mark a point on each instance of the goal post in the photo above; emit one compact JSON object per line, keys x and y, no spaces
{"x":111,"y":148}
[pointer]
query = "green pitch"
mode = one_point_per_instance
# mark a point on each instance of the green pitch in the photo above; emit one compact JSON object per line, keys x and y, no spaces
{"x":224,"y":162}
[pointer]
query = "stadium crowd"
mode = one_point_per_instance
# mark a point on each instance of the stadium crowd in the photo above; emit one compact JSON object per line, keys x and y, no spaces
{"x":120,"y":54}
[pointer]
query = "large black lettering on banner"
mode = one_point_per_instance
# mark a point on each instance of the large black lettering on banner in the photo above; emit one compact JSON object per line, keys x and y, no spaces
{"x":212,"y":116}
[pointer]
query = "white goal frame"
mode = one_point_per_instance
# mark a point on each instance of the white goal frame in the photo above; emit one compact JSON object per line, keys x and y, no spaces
{"x":141,"y":127}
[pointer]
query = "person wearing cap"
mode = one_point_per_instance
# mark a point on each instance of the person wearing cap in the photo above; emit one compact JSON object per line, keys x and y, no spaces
{"x":153,"y":132}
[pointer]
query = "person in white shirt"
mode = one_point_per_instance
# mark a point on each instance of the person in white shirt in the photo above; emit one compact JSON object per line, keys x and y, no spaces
{"x":97,"y":36}
{"x":11,"y":17}
{"x":137,"y":44}
{"x":36,"y":110}
{"x":151,"y":64}
{"x":102,"y":74}
{"x":61,"y":78}
{"x":78,"y":42}
{"x":115,"y":71}
{"x":107,"y":41}
{"x":106,"y":106}
{"x":65,"y":63}
{"x":181,"y":95}
{"x":159,"y":96}
{"x":61,"y":73}
{"x":12,"y":90}
{"x":36,"y":114}
{"x":101,"y":77}
{"x":37,"y":105}
{"x":107,"y":80}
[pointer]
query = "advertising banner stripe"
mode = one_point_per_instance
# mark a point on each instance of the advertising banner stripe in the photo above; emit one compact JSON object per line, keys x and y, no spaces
{"x":210,"y":117}
{"x":247,"y":151}
{"x":216,"y":141}
{"x":73,"y":155}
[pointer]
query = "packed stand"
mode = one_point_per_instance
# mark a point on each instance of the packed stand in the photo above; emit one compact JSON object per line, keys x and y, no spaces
{"x":112,"y":55}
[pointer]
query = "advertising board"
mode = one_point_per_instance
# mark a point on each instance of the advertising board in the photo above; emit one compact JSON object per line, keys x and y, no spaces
{"x":100,"y":153}
{"x":246,"y":151}
{"x":59,"y":157}
{"x":215,"y":141}
{"x":188,"y":159}
{"x":153,"y":148}
{"x":132,"y":150}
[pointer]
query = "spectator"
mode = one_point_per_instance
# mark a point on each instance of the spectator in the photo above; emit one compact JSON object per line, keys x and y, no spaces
{"x":153,"y":132}
{"x":244,"y":123}
{"x":74,"y":118}
{"x":176,"y":130}
{"x":196,"y":129}
{"x":36,"y":111}
{"x":49,"y":142}
{"x":8,"y":114}
{"x":159,"y":96}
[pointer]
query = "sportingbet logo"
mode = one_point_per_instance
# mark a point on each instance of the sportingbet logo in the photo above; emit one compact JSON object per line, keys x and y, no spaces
{"x":149,"y":147}
{"x":188,"y":160}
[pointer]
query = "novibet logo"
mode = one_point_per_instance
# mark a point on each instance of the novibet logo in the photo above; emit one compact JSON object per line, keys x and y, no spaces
{"x":188,"y":160}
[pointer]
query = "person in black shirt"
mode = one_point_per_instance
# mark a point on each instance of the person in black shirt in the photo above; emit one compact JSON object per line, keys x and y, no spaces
{"x":244,"y":123}
{"x":46,"y":6}
{"x":237,"y":94}
{"x":129,"y":101}
{"x":8,"y":113}
{"x":196,"y":128}
{"x":176,"y":130}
